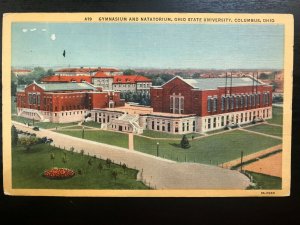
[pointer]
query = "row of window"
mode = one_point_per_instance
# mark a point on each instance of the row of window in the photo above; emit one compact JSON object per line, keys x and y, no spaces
{"x":103,"y":118}
{"x":238,"y":118}
{"x":238,"y":101}
{"x":167,"y":127}
{"x":69,"y":113}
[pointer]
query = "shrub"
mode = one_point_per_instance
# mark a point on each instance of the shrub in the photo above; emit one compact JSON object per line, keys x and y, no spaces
{"x":185,"y":142}
{"x":28,"y":142}
{"x":14,"y":136}
{"x":108,"y":162}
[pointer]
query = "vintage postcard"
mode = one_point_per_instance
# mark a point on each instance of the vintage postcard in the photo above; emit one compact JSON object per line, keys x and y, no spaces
{"x":147,"y":104}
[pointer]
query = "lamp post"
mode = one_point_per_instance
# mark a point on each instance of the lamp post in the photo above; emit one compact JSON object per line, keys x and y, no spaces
{"x":82,"y":133}
{"x":242,"y":154}
{"x":157,"y":148}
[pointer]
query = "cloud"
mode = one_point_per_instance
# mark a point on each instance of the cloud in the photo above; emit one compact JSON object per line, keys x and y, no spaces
{"x":33,"y":29}
{"x":44,"y":30}
{"x":53,"y":37}
{"x":24,"y":30}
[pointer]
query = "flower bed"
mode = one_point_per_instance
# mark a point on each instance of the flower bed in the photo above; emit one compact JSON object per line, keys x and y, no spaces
{"x":58,"y":173}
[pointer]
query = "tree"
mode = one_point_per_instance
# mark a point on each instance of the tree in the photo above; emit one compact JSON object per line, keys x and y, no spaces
{"x":264,"y":76}
{"x":37,"y":74}
{"x":185,"y":142}
{"x":14,"y":136}
{"x":108,"y":162}
{"x":196,"y":75}
{"x":129,"y":72}
{"x":82,"y":152}
{"x":50,"y":72}
{"x":90,"y":162}
{"x":52,"y":158}
{"x":124,"y":167}
{"x":114,"y":175}
{"x":14,"y":83}
{"x":64,"y":159}
{"x":100,"y":167}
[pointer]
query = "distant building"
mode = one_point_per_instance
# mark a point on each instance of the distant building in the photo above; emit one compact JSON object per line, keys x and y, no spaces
{"x":105,"y":78}
{"x":84,"y":71}
{"x":132,"y":83}
{"x":63,"y":102}
{"x":21,"y":72}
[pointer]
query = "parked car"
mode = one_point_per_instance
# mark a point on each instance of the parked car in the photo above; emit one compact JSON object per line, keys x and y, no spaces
{"x":36,"y":128}
{"x":49,"y":140}
{"x":44,"y":139}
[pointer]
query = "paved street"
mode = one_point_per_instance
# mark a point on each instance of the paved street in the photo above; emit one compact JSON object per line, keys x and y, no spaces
{"x":160,"y":173}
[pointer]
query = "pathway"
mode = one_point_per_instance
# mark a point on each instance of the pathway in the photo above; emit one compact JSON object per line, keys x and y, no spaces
{"x":263,"y":134}
{"x":251,"y":156}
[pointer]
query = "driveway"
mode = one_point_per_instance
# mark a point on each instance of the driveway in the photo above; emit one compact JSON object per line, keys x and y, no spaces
{"x":159,"y":173}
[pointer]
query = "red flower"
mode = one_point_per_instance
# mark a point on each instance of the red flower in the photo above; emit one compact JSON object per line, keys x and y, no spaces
{"x":58,"y":173}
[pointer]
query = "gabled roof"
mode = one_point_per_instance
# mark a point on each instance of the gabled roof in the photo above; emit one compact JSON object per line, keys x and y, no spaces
{"x":66,"y":86}
{"x":214,"y":83}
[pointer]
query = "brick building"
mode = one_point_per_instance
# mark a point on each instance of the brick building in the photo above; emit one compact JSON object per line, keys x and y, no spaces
{"x":213,"y":103}
{"x":179,"y":106}
{"x":63,"y":102}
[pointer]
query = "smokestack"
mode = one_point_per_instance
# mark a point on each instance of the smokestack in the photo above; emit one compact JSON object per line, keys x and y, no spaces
{"x":252,"y":82}
{"x":226,"y":84}
{"x":230,"y":83}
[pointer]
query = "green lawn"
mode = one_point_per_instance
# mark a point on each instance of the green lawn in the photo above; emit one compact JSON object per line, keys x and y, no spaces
{"x":277,"y":116}
{"x":92,"y":124}
{"x":266,"y":129}
{"x":214,"y":149}
{"x":76,"y":127}
{"x":215,"y":131}
{"x":157,"y":134}
{"x":28,"y":166}
{"x":265,"y":182}
{"x":45,"y":125}
{"x":21,"y":119}
{"x":107,"y":137}
{"x":48,"y":125}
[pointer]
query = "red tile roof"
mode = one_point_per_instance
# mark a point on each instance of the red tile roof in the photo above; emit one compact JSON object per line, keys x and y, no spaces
{"x":76,"y":79}
{"x":101,"y":74}
{"x":130,"y":79}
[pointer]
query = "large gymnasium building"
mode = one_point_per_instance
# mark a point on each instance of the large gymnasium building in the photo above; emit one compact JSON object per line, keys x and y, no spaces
{"x":179,"y":106}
